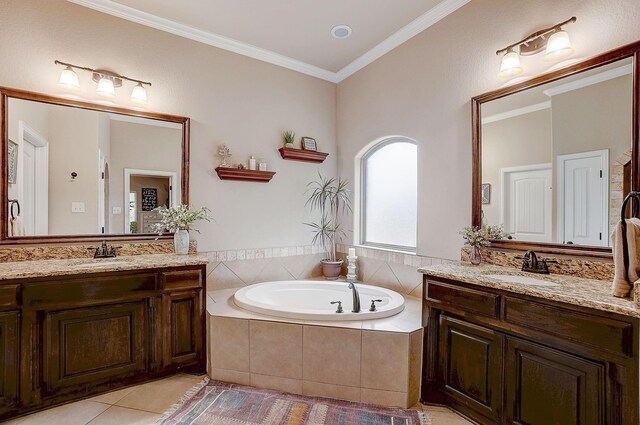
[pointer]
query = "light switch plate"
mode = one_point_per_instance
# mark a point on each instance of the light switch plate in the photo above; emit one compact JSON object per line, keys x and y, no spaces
{"x":77,"y":207}
{"x":117,"y":210}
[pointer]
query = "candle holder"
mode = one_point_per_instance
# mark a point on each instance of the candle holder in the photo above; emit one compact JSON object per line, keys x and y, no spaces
{"x":351,"y":268}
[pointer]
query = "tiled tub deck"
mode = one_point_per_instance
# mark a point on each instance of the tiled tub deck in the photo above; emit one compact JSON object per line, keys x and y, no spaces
{"x":371,"y":361}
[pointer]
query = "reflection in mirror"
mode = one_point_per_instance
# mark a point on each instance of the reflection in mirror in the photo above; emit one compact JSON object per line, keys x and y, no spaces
{"x":556,"y":159}
{"x":86,"y":172}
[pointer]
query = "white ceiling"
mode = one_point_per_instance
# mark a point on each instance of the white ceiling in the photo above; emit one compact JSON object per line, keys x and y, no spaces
{"x":291,"y":33}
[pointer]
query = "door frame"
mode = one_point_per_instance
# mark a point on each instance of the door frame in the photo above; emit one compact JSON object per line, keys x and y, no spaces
{"x":27,"y":134}
{"x":560,"y":177}
{"x":128,"y":172}
{"x":520,"y":168}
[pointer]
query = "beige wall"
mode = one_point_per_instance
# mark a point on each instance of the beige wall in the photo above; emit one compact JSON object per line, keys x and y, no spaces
{"x":230,"y":99}
{"x":517,"y":141}
{"x":423,"y":88}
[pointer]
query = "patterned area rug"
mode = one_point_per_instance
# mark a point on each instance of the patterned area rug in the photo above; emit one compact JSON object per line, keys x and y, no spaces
{"x":213,"y":403}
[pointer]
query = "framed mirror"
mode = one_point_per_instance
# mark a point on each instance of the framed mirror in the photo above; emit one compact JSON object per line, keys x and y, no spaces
{"x":554,"y":156}
{"x":78,"y":171}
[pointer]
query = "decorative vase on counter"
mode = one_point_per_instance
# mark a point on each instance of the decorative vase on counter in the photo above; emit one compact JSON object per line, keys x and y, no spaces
{"x":181,"y":241}
{"x":475,"y":256}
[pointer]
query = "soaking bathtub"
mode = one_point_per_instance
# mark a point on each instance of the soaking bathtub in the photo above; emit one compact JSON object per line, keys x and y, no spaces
{"x":311,"y":300}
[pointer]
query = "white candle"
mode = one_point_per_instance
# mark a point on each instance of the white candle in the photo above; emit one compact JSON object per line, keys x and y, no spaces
{"x":352,"y":252}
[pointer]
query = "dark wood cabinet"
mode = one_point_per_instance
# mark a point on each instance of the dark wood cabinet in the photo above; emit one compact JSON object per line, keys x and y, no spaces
{"x":471,"y":363}
{"x":9,"y":353}
{"x":550,"y":387}
{"x":505,"y":358}
{"x":75,"y":336}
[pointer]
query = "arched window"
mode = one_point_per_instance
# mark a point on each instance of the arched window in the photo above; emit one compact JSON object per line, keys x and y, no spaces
{"x":388,"y":194}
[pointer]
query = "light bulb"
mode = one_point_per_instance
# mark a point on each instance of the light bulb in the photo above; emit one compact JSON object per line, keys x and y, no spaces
{"x":68,"y":78}
{"x":106,"y":88}
{"x":510,"y":64}
{"x":139,"y":94}
{"x":558,"y":46}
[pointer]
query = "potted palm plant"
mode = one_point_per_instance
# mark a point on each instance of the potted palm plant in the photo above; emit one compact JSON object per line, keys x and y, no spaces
{"x":330,"y":198}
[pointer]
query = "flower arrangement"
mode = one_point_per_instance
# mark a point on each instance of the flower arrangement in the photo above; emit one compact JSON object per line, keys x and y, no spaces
{"x":180,"y":218}
{"x":481,"y":236}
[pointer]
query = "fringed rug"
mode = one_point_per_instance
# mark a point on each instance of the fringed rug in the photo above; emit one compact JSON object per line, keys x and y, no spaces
{"x":213,"y":403}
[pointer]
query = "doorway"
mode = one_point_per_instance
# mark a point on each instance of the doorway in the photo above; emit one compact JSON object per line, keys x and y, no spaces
{"x":144,"y":191}
{"x":33,"y":180}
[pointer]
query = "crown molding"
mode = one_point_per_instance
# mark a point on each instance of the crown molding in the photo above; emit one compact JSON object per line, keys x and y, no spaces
{"x":591,"y":80}
{"x":435,"y":14}
{"x":429,"y":18}
{"x":125,"y":12}
{"x":517,"y":112}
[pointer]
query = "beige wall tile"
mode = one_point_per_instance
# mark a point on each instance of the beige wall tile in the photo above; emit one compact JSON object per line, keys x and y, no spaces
{"x":232,"y":376}
{"x":384,"y":398}
{"x":277,"y":383}
{"x":331,"y":355}
{"x":276,"y":349}
{"x":340,"y":392}
{"x":415,"y":366}
{"x":247,"y":270}
{"x":385,"y":278}
{"x":223,"y":278}
{"x":407,"y":275}
{"x":385,"y":360}
{"x":229,"y":343}
{"x":274,"y":271}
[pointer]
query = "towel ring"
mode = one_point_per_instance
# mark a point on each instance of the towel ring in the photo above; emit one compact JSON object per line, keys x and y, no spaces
{"x":14,"y":203}
{"x":623,"y":220}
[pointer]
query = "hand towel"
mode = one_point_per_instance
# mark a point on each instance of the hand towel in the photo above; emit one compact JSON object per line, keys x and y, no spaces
{"x":16,"y":227}
{"x":623,"y":279}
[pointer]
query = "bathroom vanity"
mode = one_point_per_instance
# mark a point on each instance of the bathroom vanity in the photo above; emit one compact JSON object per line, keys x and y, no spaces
{"x":502,"y":351}
{"x":72,"y":328}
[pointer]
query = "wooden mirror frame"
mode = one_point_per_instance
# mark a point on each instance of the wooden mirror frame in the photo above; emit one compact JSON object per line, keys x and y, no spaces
{"x":628,"y":51}
{"x":5,"y":95}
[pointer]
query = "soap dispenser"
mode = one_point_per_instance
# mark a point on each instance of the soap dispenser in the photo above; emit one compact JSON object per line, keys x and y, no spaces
{"x":252,"y":163}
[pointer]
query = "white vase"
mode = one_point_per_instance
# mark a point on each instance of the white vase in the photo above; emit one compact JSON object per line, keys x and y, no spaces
{"x":181,"y":242}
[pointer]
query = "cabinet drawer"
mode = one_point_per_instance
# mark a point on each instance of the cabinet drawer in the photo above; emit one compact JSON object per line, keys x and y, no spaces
{"x":479,"y":302}
{"x":181,"y":279}
{"x":9,"y":295}
{"x":611,"y":335}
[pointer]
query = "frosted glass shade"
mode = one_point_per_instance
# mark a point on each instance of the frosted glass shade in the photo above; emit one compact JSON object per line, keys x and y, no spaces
{"x":106,"y":88}
{"x":510,"y":65}
{"x":558,"y":46}
{"x":139,"y":94}
{"x":68,"y":78}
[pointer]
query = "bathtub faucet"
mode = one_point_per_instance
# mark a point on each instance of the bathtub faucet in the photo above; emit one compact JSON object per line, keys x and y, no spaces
{"x":356,"y":296}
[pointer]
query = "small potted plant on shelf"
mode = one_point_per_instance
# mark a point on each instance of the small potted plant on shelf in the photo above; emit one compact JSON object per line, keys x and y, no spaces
{"x":330,"y":198}
{"x":480,"y":237}
{"x":178,"y":220}
{"x":289,"y":137}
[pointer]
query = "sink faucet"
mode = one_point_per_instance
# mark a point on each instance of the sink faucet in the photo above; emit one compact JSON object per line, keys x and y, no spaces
{"x":105,"y":251}
{"x":356,"y":296}
{"x":531,"y":263}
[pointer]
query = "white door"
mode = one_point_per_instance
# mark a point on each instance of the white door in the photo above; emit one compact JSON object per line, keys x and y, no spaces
{"x":526,"y":202}
{"x":33,"y":171}
{"x":28,"y":204}
{"x":584,"y":198}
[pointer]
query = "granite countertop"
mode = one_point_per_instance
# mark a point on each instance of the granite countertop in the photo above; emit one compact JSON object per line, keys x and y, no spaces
{"x":588,"y":293}
{"x":46,"y":268}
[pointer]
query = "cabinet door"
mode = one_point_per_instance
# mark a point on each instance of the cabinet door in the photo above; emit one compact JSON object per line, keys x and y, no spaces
{"x":9,"y":350}
{"x":92,"y":345}
{"x":550,"y":387}
{"x":183,"y":329}
{"x":470,"y":367}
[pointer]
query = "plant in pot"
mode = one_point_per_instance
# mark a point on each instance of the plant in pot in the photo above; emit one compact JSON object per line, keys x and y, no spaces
{"x":178,"y":220}
{"x":330,"y":198}
{"x":289,"y":137}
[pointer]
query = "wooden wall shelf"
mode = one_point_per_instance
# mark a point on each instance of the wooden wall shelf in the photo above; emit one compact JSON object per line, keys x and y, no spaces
{"x":302,"y":155}
{"x":227,"y":173}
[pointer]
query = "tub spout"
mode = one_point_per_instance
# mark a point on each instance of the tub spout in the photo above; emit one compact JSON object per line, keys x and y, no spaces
{"x":356,"y":297}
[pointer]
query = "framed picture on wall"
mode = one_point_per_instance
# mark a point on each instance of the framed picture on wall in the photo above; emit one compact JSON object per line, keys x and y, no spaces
{"x":149,"y":198}
{"x":12,"y":163}
{"x":485,"y":193}
{"x":309,"y":144}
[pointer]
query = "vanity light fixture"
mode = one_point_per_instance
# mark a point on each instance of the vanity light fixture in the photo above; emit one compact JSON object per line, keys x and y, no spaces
{"x":553,"y":40}
{"x":107,"y":81}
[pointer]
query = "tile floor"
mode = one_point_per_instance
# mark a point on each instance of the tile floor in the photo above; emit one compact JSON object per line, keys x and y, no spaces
{"x":145,"y":403}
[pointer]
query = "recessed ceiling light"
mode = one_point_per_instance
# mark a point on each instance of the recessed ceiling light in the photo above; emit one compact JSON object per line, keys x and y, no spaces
{"x":341,"y":31}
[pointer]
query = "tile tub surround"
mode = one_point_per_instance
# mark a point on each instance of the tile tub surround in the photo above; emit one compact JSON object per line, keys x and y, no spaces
{"x":589,"y":293}
{"x":66,"y":252}
{"x":587,"y":268}
{"x":371,"y":361}
{"x":75,"y":266}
